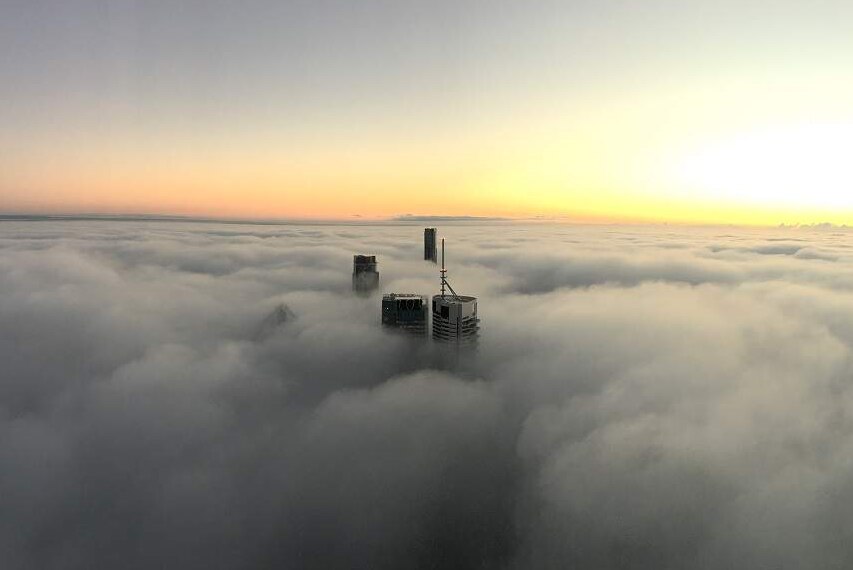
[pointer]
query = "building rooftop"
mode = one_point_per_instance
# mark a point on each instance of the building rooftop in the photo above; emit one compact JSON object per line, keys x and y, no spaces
{"x":403,"y":296}
{"x":454,"y":299}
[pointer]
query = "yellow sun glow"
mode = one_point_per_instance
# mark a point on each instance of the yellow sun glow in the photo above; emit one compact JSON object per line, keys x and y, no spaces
{"x":802,"y":165}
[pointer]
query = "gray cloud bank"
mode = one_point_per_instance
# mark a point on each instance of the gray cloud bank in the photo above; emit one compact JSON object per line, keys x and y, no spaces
{"x":642,"y":398}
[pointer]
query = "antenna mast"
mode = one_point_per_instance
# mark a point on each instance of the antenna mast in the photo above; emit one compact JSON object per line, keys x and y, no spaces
{"x":444,"y":282}
{"x":443,"y":270}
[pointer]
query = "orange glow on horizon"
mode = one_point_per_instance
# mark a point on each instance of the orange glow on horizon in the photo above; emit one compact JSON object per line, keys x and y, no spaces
{"x":610,"y":165}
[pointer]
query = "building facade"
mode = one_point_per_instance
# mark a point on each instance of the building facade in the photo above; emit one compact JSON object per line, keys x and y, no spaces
{"x":454,"y":319}
{"x":406,"y":312}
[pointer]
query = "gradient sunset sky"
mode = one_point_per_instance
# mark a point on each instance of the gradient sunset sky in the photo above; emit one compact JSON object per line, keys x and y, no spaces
{"x":658,"y":110}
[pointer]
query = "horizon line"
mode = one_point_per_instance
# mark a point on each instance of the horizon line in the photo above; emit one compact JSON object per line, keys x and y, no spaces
{"x":396,"y":219}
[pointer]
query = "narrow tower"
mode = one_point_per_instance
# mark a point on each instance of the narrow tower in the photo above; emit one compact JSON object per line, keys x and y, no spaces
{"x":430,"y":253}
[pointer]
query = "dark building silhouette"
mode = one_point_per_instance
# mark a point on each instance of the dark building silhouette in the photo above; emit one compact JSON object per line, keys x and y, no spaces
{"x":430,"y":244}
{"x":278,"y":318}
{"x":406,"y":312}
{"x":365,"y":277}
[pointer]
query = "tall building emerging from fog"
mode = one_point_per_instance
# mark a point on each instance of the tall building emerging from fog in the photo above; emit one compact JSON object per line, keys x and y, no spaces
{"x":454,"y":317}
{"x":406,"y":312}
{"x":365,"y":278}
{"x":430,"y":244}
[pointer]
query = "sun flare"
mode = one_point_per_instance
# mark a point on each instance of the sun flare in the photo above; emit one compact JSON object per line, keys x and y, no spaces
{"x":794,"y":166}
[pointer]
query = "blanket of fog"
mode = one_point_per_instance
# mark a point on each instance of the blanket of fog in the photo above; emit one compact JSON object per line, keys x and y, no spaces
{"x":656,"y":398}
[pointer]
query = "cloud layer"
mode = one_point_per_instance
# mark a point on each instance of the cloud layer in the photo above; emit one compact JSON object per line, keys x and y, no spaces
{"x":641,"y":398}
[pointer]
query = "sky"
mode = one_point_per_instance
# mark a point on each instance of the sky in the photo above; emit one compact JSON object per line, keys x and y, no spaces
{"x":722,"y":112}
{"x":642,"y":398}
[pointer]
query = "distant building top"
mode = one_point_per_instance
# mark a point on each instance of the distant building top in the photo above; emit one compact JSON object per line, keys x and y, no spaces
{"x":430,"y":244}
{"x":365,"y":278}
{"x":363,"y":260}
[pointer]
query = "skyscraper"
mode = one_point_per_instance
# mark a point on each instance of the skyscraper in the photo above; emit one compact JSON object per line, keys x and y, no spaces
{"x":365,"y":278}
{"x":406,"y":312}
{"x":430,"y":242}
{"x":454,"y":317}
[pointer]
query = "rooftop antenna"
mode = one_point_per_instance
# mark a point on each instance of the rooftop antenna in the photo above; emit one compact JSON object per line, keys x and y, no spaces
{"x":444,"y":282}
